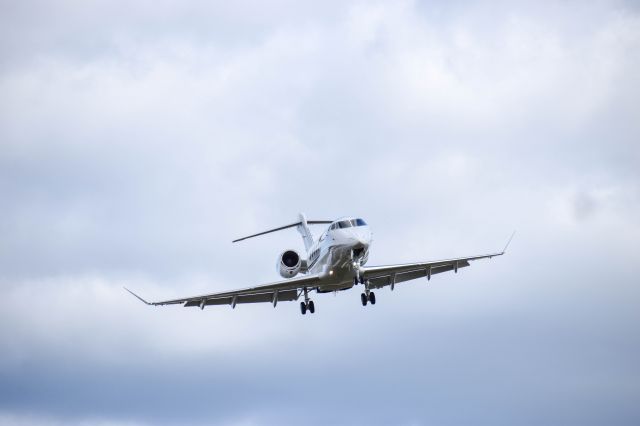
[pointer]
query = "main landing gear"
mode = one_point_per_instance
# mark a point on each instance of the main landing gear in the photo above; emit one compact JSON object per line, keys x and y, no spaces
{"x":307,"y":305}
{"x":367,"y":296}
{"x":371,"y":297}
{"x":304,"y":307}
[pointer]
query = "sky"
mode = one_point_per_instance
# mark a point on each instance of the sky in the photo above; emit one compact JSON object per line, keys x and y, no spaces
{"x":137,"y":139}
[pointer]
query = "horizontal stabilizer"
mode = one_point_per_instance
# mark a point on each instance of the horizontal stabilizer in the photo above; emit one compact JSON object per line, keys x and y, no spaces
{"x":309,"y":222}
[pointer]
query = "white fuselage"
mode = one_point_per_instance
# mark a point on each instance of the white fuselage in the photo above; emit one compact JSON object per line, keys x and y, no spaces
{"x":339,"y":252}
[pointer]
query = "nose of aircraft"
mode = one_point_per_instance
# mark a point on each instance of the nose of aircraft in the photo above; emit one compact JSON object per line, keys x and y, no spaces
{"x":361,"y":236}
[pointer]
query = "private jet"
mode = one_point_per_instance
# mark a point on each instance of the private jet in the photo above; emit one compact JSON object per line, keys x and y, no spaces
{"x":334,"y":262}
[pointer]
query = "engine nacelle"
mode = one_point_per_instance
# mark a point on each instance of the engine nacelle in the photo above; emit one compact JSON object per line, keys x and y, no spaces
{"x":289,"y":264}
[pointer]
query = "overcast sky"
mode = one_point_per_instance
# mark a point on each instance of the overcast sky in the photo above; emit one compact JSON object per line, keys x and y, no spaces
{"x":137,"y":139}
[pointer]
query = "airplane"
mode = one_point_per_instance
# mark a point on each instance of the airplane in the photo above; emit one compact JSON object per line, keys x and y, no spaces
{"x":334,"y":262}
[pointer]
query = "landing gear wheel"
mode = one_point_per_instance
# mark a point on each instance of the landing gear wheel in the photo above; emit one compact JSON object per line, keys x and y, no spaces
{"x":363,"y":299}
{"x":303,"y":308}
{"x":372,"y":298}
{"x":355,"y":281}
{"x":311,"y":307}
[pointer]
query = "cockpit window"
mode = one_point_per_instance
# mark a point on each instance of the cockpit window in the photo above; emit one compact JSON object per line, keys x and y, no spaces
{"x":347,"y":223}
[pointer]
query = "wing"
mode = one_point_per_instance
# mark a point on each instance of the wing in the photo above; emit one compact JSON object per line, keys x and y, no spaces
{"x":279,"y":291}
{"x":380,"y":276}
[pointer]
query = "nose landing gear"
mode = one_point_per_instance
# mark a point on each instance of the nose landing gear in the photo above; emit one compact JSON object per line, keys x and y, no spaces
{"x":356,"y":265}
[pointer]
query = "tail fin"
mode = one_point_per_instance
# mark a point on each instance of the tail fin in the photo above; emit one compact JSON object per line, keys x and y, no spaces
{"x":302,"y":226}
{"x":303,"y":229}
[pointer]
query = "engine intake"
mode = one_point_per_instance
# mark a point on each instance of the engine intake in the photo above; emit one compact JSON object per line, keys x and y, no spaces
{"x":289,"y":264}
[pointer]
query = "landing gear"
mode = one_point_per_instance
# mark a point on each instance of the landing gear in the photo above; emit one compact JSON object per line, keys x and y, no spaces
{"x":310,"y":306}
{"x":371,"y":297}
{"x":356,"y":265}
{"x":307,"y":305}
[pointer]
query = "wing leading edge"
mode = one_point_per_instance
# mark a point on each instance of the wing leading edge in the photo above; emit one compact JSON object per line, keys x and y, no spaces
{"x":381,"y":276}
{"x":287,"y":290}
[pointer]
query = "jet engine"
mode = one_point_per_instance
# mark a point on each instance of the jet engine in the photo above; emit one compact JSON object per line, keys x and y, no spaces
{"x":289,"y":264}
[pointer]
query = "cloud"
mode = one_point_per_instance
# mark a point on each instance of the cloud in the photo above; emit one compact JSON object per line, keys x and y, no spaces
{"x":135,"y":147}
{"x":25,"y":420}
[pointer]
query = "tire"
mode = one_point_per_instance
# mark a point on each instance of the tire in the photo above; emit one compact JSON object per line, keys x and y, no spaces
{"x":372,"y":298}
{"x":363,"y":299}
{"x":312,"y":307}
{"x":303,"y":308}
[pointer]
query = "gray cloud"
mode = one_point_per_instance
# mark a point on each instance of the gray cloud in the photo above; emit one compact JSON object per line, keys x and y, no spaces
{"x":134,"y":146}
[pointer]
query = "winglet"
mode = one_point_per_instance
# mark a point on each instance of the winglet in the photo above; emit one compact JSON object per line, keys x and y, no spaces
{"x":508,"y":242}
{"x":138,"y":297}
